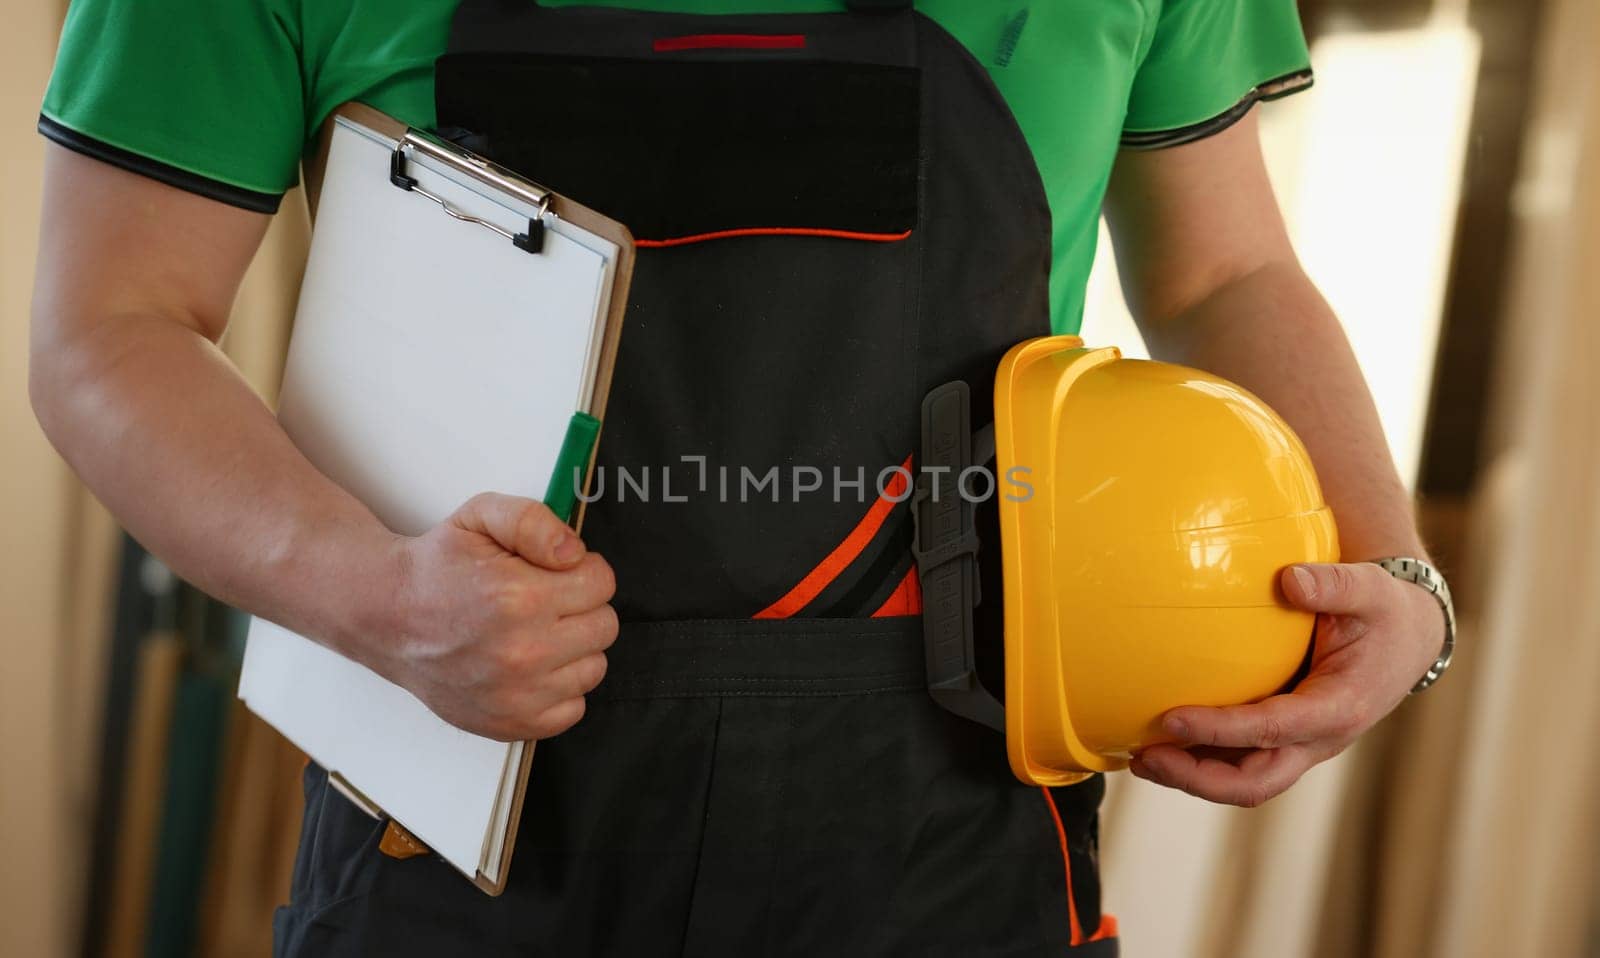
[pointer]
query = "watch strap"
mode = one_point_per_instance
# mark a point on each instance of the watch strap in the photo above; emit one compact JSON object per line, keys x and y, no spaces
{"x":1420,"y":573}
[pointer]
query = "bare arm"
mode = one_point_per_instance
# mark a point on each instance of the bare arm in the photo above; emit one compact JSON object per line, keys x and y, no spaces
{"x":496,"y":618}
{"x":135,"y":283}
{"x":1213,"y":282}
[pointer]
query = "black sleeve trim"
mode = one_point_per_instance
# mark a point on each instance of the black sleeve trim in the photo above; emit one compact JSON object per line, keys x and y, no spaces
{"x":156,"y":170}
{"x":1270,"y":90}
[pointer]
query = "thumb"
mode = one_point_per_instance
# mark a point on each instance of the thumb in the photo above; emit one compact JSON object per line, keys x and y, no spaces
{"x":522,"y":526}
{"x":1346,"y":588}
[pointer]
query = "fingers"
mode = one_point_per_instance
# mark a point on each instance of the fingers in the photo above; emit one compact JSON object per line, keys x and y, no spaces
{"x":559,"y":702}
{"x":557,"y":719}
{"x":585,"y":587}
{"x":584,"y":634}
{"x":522,"y":526}
{"x":538,"y":709}
{"x":531,"y":596}
{"x":1247,"y":781}
{"x":577,"y":679}
{"x":1346,"y":588}
{"x":570,"y":665}
{"x":1309,"y":714}
{"x":509,"y":644}
{"x":541,"y":724}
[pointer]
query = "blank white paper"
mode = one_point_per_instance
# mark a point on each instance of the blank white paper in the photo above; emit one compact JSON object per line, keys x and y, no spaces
{"x":431,"y":360}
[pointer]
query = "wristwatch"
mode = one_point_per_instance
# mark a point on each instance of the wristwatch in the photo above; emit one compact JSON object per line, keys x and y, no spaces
{"x":1421,"y":573}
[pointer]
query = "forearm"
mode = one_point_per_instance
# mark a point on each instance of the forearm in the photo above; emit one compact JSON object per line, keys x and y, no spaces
{"x":162,"y":428}
{"x":1273,"y":333}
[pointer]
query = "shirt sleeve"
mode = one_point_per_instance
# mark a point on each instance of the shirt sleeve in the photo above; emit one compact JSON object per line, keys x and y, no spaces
{"x":204,"y":95}
{"x":1208,"y":62}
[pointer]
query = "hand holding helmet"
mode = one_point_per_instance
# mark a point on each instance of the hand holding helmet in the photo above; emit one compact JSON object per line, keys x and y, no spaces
{"x":1176,"y":572}
{"x":1144,"y":576}
{"x":1375,"y":635}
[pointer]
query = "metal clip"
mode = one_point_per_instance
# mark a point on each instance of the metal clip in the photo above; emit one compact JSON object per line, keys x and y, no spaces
{"x":532,"y":241}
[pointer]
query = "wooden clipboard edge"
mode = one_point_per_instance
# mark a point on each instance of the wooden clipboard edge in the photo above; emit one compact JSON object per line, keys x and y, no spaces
{"x":357,"y":797}
{"x":621,"y":284}
{"x":622,"y":281}
{"x":494,"y":888}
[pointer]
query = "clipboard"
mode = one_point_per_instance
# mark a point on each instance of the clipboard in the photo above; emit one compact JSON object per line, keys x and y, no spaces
{"x":411,"y":140}
{"x":404,"y":388}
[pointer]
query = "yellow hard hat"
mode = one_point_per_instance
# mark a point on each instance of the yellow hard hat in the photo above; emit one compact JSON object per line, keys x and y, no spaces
{"x":1141,"y":567}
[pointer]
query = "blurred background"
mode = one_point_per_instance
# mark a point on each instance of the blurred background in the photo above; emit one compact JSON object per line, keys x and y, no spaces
{"x":1442,"y":181}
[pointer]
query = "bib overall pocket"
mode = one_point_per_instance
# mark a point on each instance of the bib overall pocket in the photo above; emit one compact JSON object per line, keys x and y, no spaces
{"x":765,"y":386}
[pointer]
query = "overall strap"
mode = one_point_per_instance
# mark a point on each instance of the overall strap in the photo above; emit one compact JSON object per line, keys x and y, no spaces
{"x":946,"y":549}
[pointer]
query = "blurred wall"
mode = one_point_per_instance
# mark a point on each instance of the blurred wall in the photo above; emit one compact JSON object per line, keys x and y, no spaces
{"x":57,"y":583}
{"x":1522,"y":851}
{"x":38,"y":841}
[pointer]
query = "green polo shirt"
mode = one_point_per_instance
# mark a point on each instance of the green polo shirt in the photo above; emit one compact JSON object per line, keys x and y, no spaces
{"x":223,"y":97}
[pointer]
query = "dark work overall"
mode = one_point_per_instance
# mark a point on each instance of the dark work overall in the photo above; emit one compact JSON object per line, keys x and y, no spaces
{"x":836,"y":213}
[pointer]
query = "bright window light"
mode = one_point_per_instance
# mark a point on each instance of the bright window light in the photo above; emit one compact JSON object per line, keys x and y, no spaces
{"x":1367,"y":166}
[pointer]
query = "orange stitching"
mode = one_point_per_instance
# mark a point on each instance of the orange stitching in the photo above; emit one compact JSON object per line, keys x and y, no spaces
{"x":770,"y":231}
{"x":1066,"y":862}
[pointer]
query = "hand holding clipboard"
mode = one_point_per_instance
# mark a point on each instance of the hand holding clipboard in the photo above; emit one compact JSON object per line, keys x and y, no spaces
{"x":422,"y":342}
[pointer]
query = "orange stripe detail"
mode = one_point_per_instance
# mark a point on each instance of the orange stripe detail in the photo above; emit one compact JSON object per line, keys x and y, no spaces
{"x":1066,"y":862}
{"x":906,"y":599}
{"x":770,"y":231}
{"x":1108,"y":928}
{"x":843,"y":554}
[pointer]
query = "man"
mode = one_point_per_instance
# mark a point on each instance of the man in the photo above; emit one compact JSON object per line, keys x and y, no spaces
{"x":879,"y":199}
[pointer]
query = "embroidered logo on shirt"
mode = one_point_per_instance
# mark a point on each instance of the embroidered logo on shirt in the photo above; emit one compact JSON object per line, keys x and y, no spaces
{"x":1009,"y":37}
